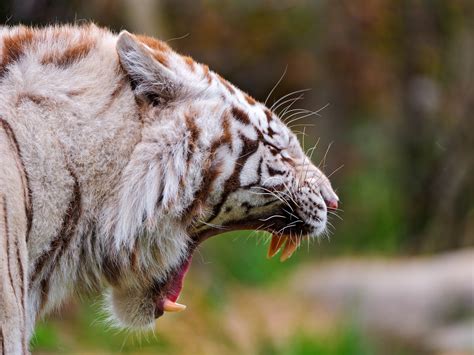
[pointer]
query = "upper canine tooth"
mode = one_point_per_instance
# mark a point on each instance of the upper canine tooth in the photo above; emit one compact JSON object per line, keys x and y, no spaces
{"x":290,"y":248}
{"x":170,"y":306}
{"x":275,"y":245}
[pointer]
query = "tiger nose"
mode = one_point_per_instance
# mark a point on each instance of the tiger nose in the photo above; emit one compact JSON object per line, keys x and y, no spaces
{"x":331,"y":204}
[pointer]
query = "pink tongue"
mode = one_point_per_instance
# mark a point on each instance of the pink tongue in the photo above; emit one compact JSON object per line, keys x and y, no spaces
{"x":177,"y":282}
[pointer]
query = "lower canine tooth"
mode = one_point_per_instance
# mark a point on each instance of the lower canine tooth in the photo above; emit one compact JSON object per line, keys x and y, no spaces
{"x":289,"y":249}
{"x":170,"y":306}
{"x":275,"y":245}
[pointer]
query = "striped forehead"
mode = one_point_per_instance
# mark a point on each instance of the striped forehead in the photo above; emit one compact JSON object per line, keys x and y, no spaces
{"x":244,"y":108}
{"x":248,"y":111}
{"x":271,"y":129}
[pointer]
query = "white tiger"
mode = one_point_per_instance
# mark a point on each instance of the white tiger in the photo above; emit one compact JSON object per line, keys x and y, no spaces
{"x":118,"y":157}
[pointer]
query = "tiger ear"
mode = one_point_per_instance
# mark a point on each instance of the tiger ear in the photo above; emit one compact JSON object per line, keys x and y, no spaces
{"x":150,"y":79}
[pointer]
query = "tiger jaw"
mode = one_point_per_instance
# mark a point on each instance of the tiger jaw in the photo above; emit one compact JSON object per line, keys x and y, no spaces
{"x":287,"y":235}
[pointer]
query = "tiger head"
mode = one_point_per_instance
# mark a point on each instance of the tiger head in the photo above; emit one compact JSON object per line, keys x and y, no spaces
{"x":211,"y":159}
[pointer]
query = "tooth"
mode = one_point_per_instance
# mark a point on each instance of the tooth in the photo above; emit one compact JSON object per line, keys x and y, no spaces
{"x":290,"y":248}
{"x":170,"y":306}
{"x":275,"y":245}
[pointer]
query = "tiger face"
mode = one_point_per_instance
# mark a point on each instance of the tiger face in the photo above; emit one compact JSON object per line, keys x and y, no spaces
{"x":279,"y":189}
{"x":211,"y":159}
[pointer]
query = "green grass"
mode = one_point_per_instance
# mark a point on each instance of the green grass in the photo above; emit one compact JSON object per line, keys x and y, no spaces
{"x":85,"y":331}
{"x":45,"y":338}
{"x":346,"y":341}
{"x":86,"y":334}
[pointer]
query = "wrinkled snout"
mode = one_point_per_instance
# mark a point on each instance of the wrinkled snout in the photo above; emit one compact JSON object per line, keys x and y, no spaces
{"x":315,"y":196}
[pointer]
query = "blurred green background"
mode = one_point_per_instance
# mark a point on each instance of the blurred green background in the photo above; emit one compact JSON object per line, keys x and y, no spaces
{"x":398,"y":142}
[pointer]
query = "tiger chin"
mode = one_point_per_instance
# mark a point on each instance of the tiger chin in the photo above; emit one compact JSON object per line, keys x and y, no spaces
{"x":119,"y":157}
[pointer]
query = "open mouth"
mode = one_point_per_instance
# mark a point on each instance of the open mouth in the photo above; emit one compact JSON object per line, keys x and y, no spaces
{"x":167,"y":292}
{"x":288,"y":231}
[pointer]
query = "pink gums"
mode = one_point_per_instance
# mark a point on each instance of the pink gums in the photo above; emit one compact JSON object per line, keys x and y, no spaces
{"x":176,"y":283}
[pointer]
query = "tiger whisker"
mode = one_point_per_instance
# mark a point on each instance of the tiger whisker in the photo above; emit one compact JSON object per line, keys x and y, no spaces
{"x":289,"y":195}
{"x":291,"y":101}
{"x":311,"y":113}
{"x":293,"y":215}
{"x":216,"y":226}
{"x":315,"y":113}
{"x":271,"y":193}
{"x":312,"y":149}
{"x":258,"y":230}
{"x":306,"y":165}
{"x":303,"y":125}
{"x":300,"y":132}
{"x":323,"y":161}
{"x":289,"y":94}
{"x":283,"y":112}
{"x":289,"y":226}
{"x":279,"y":193}
{"x":268,"y":218}
{"x":335,"y":170}
{"x":276,"y":85}
{"x":330,"y":225}
{"x":298,"y":109}
{"x":335,"y":214}
{"x":292,"y":111}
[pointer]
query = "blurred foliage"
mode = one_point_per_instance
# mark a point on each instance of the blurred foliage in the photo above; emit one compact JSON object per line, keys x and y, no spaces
{"x":397,"y":135}
{"x":346,"y":341}
{"x":91,"y":334}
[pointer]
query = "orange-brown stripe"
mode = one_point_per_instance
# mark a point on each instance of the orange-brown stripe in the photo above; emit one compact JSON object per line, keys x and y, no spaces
{"x":190,"y":63}
{"x":207,"y":73}
{"x":194,"y":129}
{"x":250,"y":99}
{"x":71,"y":55}
{"x":153,"y":43}
{"x":226,"y":84}
{"x":14,"y":47}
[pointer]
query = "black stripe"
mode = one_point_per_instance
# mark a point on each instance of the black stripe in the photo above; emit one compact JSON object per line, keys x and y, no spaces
{"x":111,"y":269}
{"x":2,"y":342}
{"x":63,"y":238}
{"x":273,"y":172}
{"x":259,"y":170}
{"x":233,"y":183}
{"x":7,"y":232}
{"x":44,"y":291}
{"x":26,"y":189}
{"x":240,"y":115}
{"x":211,"y":170}
{"x":21,"y":272}
{"x":121,"y":85}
